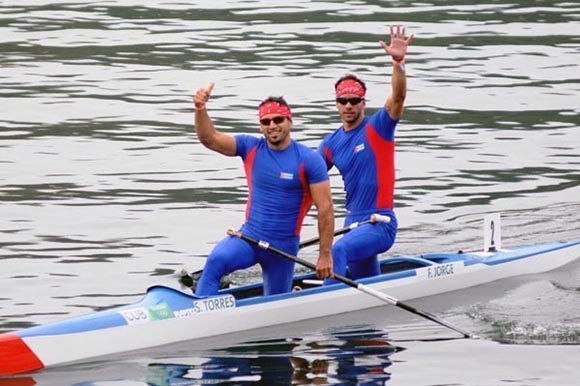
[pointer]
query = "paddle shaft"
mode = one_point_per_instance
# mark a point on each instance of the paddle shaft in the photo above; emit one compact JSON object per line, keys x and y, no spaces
{"x":374,"y":218}
{"x":351,"y":283}
{"x":188,"y":279}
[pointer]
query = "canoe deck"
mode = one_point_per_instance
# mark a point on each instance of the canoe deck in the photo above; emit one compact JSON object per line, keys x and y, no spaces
{"x":392,"y":265}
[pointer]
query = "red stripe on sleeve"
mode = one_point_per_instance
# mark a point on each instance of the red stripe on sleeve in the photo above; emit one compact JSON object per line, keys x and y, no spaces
{"x":384,"y":152}
{"x":328,"y":154}
{"x":248,"y":166}
{"x":306,"y":199}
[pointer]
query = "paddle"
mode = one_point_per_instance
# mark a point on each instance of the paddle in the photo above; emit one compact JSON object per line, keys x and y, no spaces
{"x":190,"y":279}
{"x":374,"y":218}
{"x":361,"y":287}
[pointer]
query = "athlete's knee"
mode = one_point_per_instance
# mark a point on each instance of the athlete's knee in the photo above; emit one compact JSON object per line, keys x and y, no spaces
{"x":217,"y":263}
{"x":339,"y":259}
{"x":390,"y":235}
{"x":340,"y":251}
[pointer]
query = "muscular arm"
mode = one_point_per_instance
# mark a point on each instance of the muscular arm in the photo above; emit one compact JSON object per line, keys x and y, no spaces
{"x":396,"y":99}
{"x":208,"y":135}
{"x":322,"y":199}
{"x":397,"y":49}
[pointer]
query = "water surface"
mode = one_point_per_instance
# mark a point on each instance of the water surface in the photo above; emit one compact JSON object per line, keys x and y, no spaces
{"x":105,"y":190}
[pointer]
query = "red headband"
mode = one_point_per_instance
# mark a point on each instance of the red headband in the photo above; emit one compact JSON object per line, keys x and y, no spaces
{"x":350,"y":86}
{"x":273,"y":107}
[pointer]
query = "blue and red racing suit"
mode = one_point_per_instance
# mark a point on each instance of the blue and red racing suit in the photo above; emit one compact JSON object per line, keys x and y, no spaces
{"x":365,"y":157}
{"x":279,"y":198}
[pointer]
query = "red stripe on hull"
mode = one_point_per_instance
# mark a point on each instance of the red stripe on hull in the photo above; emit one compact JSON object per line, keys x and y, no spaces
{"x":16,"y":357}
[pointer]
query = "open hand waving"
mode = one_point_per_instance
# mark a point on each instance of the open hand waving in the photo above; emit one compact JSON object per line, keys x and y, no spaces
{"x":399,"y":43}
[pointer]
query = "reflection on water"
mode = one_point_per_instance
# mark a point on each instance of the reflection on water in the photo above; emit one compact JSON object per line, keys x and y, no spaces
{"x":349,"y":357}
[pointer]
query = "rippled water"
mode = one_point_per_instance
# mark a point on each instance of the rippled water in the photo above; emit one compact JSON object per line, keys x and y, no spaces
{"x":105,"y":190}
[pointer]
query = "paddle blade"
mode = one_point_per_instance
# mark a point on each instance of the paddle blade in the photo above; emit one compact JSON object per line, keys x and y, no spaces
{"x":190,"y":280}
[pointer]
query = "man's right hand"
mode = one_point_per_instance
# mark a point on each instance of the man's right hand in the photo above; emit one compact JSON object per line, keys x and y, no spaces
{"x":398,"y":45}
{"x":324,"y":266}
{"x":202,"y":96}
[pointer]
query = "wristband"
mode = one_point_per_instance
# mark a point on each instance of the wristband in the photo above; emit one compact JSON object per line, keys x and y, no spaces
{"x":400,"y":64}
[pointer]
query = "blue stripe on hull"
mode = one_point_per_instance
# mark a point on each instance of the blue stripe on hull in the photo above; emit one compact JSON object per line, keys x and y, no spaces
{"x":156,"y":295}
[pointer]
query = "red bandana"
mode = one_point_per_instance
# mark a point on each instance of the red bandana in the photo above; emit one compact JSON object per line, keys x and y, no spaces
{"x":350,"y":86}
{"x":274,"y":108}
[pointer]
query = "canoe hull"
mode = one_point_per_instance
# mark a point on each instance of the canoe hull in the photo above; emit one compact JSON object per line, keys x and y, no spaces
{"x":168,"y":316}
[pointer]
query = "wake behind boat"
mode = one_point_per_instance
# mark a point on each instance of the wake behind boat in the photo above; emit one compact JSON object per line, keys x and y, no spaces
{"x":166,"y":315}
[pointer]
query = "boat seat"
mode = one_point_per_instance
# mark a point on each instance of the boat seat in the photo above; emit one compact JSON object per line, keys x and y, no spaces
{"x":403,"y":263}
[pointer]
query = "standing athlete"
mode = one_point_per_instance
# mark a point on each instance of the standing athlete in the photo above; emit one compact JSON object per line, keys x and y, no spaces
{"x":284,"y":179}
{"x":363,"y":150}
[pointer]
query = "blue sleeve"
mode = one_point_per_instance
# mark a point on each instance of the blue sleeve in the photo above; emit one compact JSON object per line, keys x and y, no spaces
{"x":244,"y":143}
{"x":384,"y":124}
{"x":315,"y":168}
{"x":324,"y":152}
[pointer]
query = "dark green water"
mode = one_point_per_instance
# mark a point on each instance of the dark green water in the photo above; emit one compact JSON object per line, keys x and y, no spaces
{"x":105,"y":190}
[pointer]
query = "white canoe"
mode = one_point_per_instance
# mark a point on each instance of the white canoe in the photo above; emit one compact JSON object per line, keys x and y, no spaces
{"x":166,"y":315}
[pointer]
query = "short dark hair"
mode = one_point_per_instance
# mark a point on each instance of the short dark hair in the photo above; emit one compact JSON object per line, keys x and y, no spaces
{"x":352,"y":77}
{"x":280,"y":100}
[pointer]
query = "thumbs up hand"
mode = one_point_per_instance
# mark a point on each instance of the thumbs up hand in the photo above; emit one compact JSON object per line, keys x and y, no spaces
{"x":202,"y":96}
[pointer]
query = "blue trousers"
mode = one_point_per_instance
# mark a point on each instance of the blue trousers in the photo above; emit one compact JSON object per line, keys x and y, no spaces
{"x":232,"y":254}
{"x":357,"y":250}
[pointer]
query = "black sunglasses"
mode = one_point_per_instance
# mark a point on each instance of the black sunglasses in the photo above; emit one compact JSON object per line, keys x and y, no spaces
{"x":276,"y":120}
{"x":353,"y":101}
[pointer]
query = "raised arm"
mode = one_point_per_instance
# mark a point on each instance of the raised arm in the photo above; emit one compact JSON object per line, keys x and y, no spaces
{"x":208,"y":135}
{"x":397,"y":49}
{"x":322,"y":199}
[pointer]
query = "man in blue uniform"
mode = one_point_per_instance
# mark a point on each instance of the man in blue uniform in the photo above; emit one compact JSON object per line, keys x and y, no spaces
{"x":363,"y":150}
{"x":284,"y":179}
